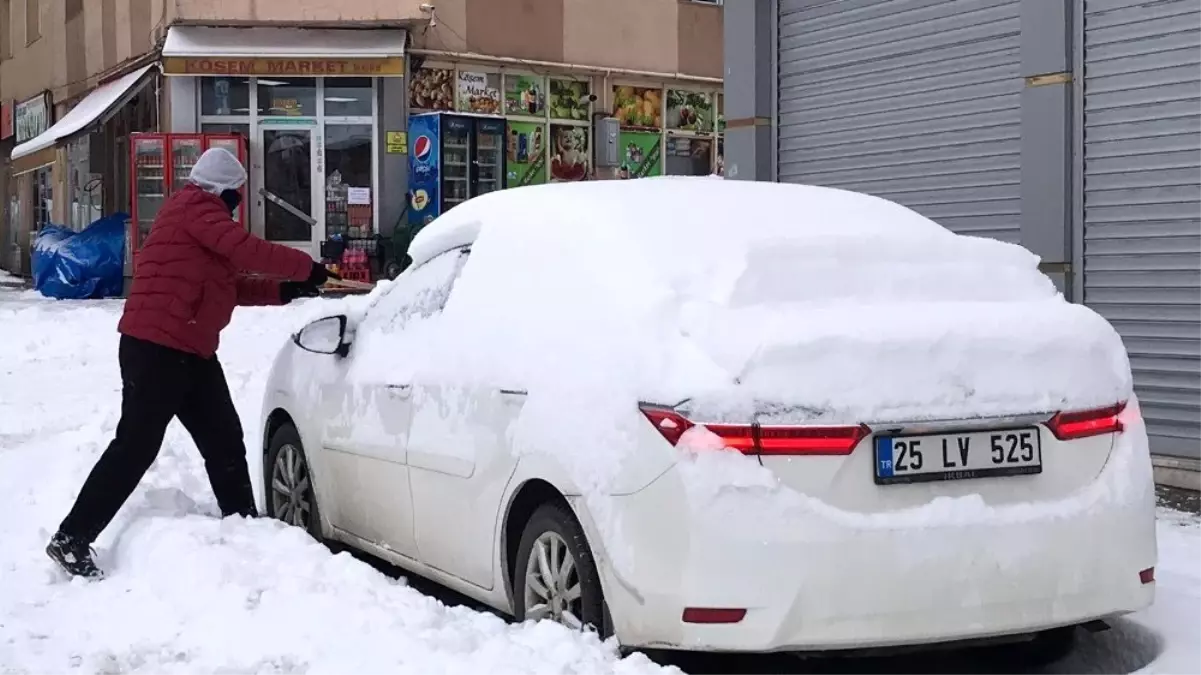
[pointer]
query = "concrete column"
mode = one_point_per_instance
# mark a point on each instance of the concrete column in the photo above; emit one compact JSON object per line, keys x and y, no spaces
{"x":750,"y":57}
{"x":1046,"y":176}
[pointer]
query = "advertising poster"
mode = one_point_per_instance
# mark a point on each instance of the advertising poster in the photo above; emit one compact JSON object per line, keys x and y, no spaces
{"x":640,"y":154}
{"x":525,"y":148}
{"x":569,"y":100}
{"x":432,"y":89}
{"x":638,"y":107}
{"x":525,"y":95}
{"x":479,"y":93}
{"x":424,"y":175}
{"x":690,"y":110}
{"x":569,"y":159}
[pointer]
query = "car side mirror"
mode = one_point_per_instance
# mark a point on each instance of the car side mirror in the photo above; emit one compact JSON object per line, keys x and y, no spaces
{"x":324,"y":336}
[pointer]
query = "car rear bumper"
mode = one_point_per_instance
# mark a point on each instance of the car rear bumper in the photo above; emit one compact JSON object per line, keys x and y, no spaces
{"x":810,"y":581}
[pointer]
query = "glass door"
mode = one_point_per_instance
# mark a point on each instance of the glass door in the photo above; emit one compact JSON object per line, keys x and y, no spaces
{"x":489,"y":160}
{"x":286,"y":175}
{"x":456,"y":151}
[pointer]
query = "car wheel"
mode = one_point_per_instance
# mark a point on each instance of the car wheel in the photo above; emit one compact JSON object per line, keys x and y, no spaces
{"x":1045,"y":648}
{"x":555,"y":577}
{"x":288,"y":485}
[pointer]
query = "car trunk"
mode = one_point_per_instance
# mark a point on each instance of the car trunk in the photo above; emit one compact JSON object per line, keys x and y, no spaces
{"x":949,"y":375}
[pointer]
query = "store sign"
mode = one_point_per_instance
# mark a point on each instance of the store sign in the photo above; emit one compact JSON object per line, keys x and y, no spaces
{"x":6,"y":120}
{"x":355,"y":67}
{"x":31,"y":117}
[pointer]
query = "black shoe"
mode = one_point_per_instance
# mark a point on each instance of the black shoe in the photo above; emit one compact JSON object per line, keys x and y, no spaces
{"x":76,"y":559}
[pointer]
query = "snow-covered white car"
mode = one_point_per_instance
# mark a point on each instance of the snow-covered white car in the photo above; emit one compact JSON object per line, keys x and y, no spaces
{"x":714,"y":415}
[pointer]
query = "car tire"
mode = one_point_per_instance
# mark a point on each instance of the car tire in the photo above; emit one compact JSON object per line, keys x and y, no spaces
{"x":551,"y":521}
{"x":286,"y":468}
{"x":1045,"y":648}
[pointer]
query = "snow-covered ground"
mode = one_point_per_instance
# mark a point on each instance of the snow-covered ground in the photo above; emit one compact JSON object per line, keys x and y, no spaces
{"x":188,"y":592}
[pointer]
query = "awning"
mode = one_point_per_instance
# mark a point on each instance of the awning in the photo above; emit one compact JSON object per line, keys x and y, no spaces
{"x":93,"y":109}
{"x":278,"y":51}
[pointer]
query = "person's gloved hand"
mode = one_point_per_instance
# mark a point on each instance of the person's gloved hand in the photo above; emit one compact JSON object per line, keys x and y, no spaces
{"x":290,"y":290}
{"x":319,"y":275}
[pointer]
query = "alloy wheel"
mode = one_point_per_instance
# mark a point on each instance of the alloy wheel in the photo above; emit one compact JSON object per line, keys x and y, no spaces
{"x":291,"y":489}
{"x":552,"y":583}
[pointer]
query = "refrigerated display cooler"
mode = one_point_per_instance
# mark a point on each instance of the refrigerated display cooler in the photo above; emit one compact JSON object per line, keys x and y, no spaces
{"x":452,"y":158}
{"x":159,"y":167}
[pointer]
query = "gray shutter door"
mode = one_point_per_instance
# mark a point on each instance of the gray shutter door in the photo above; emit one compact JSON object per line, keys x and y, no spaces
{"x":917,"y":101}
{"x":1142,"y":201}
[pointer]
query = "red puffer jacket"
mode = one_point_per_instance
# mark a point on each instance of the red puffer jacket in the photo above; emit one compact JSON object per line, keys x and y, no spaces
{"x":188,"y":278}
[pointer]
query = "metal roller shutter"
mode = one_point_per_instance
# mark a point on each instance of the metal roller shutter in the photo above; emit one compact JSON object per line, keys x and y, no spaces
{"x":1142,"y":201}
{"x":917,"y":101}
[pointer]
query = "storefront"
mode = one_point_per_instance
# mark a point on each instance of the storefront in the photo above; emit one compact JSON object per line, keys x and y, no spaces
{"x":310,"y":104}
{"x":668,"y":127}
{"x":30,"y":186}
{"x":75,"y":159}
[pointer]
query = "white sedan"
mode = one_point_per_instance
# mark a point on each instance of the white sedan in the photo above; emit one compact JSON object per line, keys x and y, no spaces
{"x":712,"y":415}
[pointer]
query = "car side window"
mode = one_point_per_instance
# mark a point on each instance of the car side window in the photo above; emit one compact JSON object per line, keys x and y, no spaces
{"x":420,"y":293}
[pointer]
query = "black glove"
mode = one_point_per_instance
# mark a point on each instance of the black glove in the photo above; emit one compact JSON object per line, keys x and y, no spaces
{"x":290,"y":290}
{"x":319,"y":275}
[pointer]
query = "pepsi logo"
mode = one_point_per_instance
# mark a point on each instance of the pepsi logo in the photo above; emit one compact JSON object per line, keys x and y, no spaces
{"x":422,"y":147}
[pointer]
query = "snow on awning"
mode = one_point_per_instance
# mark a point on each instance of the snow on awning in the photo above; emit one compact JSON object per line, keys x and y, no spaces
{"x":93,"y":108}
{"x":284,"y":51}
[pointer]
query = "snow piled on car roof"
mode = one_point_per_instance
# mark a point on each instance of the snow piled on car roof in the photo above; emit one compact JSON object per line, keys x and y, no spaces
{"x":849,"y":305}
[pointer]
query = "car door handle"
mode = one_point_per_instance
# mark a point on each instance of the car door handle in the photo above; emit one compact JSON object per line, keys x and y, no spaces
{"x":400,"y":390}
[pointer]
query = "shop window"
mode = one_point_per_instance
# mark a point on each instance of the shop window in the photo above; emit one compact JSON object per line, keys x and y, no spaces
{"x":349,"y":191}
{"x":689,"y":156}
{"x":212,"y":128}
{"x":525,"y":95}
{"x":690,"y":110}
{"x":478,"y":92}
{"x":85,"y":187}
{"x":570,"y":155}
{"x":224,"y":96}
{"x":638,"y":107}
{"x":570,"y":100}
{"x":288,"y":97}
{"x":526,"y":150}
{"x":432,"y":89}
{"x":348,"y":96}
{"x":43,"y":197}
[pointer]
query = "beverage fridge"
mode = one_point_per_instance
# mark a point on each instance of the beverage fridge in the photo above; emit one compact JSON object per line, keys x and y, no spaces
{"x":452,"y":158}
{"x":160,"y":165}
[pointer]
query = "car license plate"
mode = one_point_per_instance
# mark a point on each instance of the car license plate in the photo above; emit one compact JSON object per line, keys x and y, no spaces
{"x":957,"y":456}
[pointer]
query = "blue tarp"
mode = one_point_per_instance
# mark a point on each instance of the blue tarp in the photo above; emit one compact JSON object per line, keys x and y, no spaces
{"x":72,"y":265}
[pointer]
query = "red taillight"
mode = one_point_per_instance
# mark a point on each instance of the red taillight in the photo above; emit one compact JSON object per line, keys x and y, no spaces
{"x":1147,"y":576}
{"x":712,"y":615}
{"x":764,"y":440}
{"x":1069,"y":426}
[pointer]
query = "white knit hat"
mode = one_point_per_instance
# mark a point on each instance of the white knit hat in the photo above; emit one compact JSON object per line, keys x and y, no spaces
{"x":218,"y":170}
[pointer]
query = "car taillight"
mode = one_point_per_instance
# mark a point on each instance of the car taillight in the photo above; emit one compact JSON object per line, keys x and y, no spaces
{"x":1069,"y":426}
{"x":754,"y":439}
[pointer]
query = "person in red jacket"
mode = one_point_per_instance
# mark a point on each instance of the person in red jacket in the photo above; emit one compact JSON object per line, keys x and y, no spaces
{"x":189,"y":276}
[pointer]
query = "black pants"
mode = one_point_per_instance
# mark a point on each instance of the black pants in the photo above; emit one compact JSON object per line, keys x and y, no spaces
{"x":159,"y":384}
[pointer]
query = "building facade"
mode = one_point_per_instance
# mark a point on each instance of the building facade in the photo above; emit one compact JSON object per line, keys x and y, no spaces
{"x":320,"y":92}
{"x":1071,"y":127}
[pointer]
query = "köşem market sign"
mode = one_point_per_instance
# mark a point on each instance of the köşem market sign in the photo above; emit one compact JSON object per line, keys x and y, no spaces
{"x":311,"y":67}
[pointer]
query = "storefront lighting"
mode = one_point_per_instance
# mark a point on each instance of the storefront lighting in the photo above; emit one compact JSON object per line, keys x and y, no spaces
{"x":273,"y":83}
{"x":340,"y":99}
